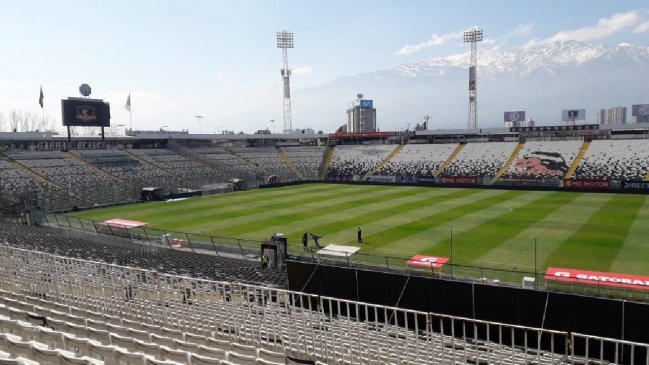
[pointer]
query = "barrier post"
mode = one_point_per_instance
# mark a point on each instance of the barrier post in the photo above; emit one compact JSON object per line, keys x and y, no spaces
{"x":240,"y":248}
{"x":214,"y":246}
{"x":189,"y":242}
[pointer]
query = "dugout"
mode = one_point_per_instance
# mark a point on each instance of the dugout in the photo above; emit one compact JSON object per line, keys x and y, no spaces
{"x":151,"y":194}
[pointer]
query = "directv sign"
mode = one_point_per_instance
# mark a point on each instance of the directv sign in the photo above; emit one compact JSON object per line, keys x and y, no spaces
{"x":641,"y":112}
{"x":85,"y":112}
{"x":517,"y":116}
{"x":573,"y":114}
{"x":367,"y":104}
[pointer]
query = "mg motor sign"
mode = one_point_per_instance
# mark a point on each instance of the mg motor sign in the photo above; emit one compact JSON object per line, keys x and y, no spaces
{"x":597,"y":278}
{"x":595,"y":184}
{"x":427,"y":261}
{"x":459,"y":180}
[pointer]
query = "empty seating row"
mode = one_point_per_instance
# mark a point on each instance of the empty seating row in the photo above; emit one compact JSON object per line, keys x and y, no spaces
{"x":418,"y":160}
{"x":615,"y":160}
{"x":158,"y":258}
{"x":316,"y":327}
{"x":358,"y":160}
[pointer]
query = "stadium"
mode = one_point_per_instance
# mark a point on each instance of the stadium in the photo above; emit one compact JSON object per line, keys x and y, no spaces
{"x":490,"y":246}
{"x":521,"y":244}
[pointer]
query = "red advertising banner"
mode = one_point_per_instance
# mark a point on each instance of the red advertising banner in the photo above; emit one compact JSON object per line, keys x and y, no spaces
{"x":427,"y":261}
{"x":599,"y":184}
{"x":459,"y":180}
{"x":598,"y":278}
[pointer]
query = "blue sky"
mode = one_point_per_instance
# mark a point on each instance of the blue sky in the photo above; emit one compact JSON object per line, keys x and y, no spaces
{"x":214,"y":58}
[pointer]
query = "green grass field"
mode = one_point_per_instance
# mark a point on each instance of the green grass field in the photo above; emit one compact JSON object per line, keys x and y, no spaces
{"x":491,"y":228}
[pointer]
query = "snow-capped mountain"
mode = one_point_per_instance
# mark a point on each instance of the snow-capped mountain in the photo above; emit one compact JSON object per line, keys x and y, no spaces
{"x":522,"y":62}
{"x":541,"y":80}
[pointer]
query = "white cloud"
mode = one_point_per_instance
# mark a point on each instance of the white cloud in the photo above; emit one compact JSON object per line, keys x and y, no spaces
{"x":642,"y":28}
{"x":605,"y":27}
{"x":302,"y":71}
{"x":523,"y":29}
{"x":489,"y":41}
{"x":435,"y":40}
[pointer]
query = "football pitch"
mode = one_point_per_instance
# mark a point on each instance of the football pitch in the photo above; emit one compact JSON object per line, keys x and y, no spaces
{"x":489,"y":228}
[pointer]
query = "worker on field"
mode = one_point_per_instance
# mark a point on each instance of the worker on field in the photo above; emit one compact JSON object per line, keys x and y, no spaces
{"x":305,"y":241}
{"x":359,"y":233}
{"x":264,"y":261}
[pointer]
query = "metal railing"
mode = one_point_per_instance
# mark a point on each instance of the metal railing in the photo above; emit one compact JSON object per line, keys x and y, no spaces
{"x":302,"y":325}
{"x":250,"y":249}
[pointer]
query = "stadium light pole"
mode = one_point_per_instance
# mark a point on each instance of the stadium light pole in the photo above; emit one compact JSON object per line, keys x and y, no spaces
{"x":199,"y":117}
{"x":272,"y":123}
{"x":473,"y":36}
{"x":285,"y":41}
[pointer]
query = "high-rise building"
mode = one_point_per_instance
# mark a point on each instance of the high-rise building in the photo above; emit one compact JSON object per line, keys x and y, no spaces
{"x":361,"y":115}
{"x":614,"y":115}
{"x":601,"y":116}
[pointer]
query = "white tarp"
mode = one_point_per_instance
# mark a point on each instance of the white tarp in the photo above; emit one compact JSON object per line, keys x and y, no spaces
{"x":338,"y":250}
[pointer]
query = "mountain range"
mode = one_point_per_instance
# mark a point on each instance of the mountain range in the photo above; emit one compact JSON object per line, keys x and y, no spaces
{"x":541,"y":80}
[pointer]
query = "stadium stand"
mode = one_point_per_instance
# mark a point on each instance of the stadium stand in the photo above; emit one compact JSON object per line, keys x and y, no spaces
{"x":118,"y":163}
{"x":358,"y":160}
{"x":159,"y":258}
{"x":173,"y":163}
{"x":543,"y":160}
{"x":14,"y":180}
{"x":418,"y":160}
{"x":480,"y":159}
{"x":228,"y":161}
{"x":267,"y":159}
{"x":306,"y":159}
{"x":60,"y":169}
{"x":63,"y":310}
{"x":615,"y":160}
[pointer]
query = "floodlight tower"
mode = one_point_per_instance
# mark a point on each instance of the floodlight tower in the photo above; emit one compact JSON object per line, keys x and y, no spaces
{"x":473,"y":36}
{"x":285,"y":41}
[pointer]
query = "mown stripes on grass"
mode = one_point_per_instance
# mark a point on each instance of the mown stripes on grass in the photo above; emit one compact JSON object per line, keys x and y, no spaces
{"x":598,"y":242}
{"x":580,"y":230}
{"x":335,"y":205}
{"x":549,"y":233}
{"x":385,"y":237}
{"x":339,"y":226}
{"x":472,"y":245}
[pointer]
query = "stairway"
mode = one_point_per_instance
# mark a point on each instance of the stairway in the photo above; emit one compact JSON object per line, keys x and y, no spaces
{"x":576,"y":162}
{"x":450,"y":159}
{"x":145,"y":162}
{"x":81,"y":161}
{"x":288,"y":162}
{"x":510,"y":161}
{"x":378,"y":167}
{"x":32,"y":173}
{"x":192,"y":155}
{"x":326,"y":161}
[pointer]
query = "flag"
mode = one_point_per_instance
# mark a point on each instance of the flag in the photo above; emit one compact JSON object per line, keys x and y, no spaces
{"x":128,"y":103}
{"x":40,"y":99}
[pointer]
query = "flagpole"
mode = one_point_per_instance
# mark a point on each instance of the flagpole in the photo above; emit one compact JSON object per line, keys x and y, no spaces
{"x":130,"y":112}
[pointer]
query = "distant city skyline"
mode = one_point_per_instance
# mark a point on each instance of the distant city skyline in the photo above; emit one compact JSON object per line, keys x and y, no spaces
{"x":218,"y":59}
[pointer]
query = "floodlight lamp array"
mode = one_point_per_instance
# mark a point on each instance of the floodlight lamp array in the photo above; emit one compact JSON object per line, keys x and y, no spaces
{"x":473,"y":35}
{"x":284,"y":39}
